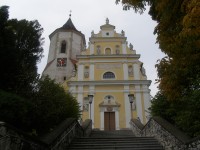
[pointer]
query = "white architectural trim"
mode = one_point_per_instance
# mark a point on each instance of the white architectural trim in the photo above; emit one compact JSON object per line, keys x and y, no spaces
{"x":147,"y":103}
{"x":125,"y":69}
{"x":80,"y":72}
{"x":109,"y":61}
{"x":102,"y":120}
{"x":139,"y":104}
{"x":117,"y":120}
{"x":109,"y":56}
{"x":136,"y":72}
{"x":80,"y":97}
{"x":92,"y":91}
{"x":127,"y":106}
{"x":111,"y":82}
{"x":91,"y":76}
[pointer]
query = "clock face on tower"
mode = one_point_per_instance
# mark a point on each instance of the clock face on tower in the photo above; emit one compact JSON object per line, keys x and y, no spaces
{"x":61,"y":62}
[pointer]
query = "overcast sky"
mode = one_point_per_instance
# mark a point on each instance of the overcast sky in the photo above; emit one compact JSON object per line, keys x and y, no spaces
{"x":88,"y":15}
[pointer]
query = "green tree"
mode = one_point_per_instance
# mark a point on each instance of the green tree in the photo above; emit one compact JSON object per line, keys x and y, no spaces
{"x":15,"y":110}
{"x":52,"y":105}
{"x":20,"y":51}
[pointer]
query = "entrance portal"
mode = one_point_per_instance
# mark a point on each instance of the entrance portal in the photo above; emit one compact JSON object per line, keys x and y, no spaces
{"x":109,"y":121}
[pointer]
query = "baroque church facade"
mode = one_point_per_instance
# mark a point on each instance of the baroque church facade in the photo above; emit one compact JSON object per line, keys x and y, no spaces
{"x":109,"y":69}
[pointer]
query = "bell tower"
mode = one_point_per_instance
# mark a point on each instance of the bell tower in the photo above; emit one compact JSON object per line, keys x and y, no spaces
{"x":65,"y":43}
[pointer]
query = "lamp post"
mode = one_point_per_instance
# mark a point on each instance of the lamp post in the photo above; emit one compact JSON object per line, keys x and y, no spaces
{"x":90,"y":97}
{"x":131,"y":99}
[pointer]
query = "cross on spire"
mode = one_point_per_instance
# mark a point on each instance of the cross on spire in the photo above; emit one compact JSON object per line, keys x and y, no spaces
{"x":70,"y":14}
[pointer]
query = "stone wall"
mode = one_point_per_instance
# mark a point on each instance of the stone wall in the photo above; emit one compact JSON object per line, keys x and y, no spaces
{"x":169,"y":136}
{"x":59,"y":139}
{"x":14,"y":139}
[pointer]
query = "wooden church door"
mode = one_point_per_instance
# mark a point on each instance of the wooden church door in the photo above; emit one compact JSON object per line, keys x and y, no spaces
{"x":109,"y":121}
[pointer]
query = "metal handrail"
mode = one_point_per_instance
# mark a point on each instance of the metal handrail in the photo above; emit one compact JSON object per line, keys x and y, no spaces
{"x":64,"y":136}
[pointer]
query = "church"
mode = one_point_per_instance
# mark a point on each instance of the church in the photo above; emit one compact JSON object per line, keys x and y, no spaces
{"x":106,"y":77}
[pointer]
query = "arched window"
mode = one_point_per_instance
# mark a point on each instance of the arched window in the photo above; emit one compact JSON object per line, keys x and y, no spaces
{"x":107,"y":51}
{"x":108,"y":75}
{"x":63,"y":47}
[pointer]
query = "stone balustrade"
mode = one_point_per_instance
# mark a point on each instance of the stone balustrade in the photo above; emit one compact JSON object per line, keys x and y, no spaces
{"x":169,"y":136}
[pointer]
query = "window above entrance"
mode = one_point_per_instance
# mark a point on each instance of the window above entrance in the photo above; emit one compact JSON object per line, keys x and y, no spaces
{"x":109,"y":75}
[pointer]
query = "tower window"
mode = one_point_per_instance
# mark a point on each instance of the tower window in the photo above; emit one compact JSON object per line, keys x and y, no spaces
{"x":108,"y":75}
{"x":64,"y":78}
{"x":63,"y":47}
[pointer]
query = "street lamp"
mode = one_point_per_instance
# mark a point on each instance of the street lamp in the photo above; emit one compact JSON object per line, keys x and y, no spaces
{"x":90,"y":97}
{"x":131,"y":99}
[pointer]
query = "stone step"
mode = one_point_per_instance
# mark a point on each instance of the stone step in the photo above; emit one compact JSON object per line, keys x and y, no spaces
{"x":110,"y":140}
{"x":136,"y":147}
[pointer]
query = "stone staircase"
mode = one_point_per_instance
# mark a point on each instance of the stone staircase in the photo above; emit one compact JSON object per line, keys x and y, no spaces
{"x":119,"y":139}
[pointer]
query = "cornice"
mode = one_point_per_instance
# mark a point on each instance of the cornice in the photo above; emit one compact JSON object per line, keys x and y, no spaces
{"x":111,"y":82}
{"x":110,"y":56}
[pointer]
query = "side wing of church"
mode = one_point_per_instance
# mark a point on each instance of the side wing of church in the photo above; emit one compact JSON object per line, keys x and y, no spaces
{"x":108,"y":69}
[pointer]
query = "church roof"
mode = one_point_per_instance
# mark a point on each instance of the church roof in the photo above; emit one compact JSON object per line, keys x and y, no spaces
{"x":69,"y":25}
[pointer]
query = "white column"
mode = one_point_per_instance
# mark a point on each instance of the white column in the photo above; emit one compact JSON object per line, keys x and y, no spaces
{"x":91,"y":91}
{"x":147,"y":101}
{"x":80,"y":96}
{"x":102,"y":120}
{"x":124,"y":48}
{"x":127,"y":106}
{"x":91,"y":76}
{"x":125,"y":69}
{"x":72,"y":89}
{"x":80,"y":72}
{"x":138,"y":102}
{"x":91,"y":49}
{"x":136,"y":71}
{"x":117,"y":119}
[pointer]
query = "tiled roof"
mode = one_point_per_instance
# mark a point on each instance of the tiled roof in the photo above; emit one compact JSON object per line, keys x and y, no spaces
{"x":69,"y":25}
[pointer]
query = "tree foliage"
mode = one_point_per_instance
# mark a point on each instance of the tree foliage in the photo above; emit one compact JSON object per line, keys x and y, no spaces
{"x":48,"y":106}
{"x":20,"y":50}
{"x":55,"y":105}
{"x":26,"y":101}
{"x":178,"y":36}
{"x":183,"y":113}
